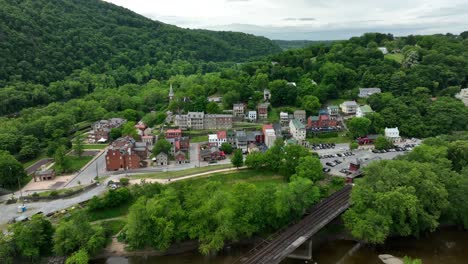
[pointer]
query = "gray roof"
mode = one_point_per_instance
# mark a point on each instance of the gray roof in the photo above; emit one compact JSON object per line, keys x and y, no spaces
{"x":350,"y":103}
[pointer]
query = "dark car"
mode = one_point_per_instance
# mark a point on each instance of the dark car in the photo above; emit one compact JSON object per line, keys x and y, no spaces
{"x":326,"y":169}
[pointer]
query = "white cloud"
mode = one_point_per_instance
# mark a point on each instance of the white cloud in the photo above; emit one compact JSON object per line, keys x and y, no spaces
{"x":305,"y":19}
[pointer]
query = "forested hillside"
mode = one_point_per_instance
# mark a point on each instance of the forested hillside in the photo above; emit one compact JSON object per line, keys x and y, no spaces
{"x":46,"y":40}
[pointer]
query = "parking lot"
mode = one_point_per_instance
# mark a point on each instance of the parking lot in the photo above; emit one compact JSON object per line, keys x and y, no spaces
{"x":338,"y":159}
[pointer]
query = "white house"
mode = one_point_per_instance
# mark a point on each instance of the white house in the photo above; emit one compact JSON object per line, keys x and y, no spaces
{"x":384,"y":50}
{"x":366,"y":92}
{"x":252,"y":116}
{"x":284,"y":119}
{"x":297,"y":130}
{"x":270,"y":137}
{"x":349,"y":107}
{"x":266,"y":95}
{"x":392,"y":134}
{"x":463,"y":95}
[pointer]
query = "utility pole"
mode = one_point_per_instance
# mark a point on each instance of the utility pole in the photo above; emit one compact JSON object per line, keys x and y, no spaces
{"x":19,"y":184}
{"x":97,"y":171}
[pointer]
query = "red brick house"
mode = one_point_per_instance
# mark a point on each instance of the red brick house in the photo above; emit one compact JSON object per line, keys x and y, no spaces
{"x":173,"y":133}
{"x":125,"y":154}
{"x":180,"y":157}
{"x":321,"y":121}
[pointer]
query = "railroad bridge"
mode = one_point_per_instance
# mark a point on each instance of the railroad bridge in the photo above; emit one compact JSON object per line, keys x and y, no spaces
{"x":283,"y":243}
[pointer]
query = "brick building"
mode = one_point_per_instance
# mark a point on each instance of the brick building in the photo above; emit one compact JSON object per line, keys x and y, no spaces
{"x":125,"y":154}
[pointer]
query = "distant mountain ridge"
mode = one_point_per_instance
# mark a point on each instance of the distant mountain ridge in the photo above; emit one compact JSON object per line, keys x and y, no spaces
{"x":45,"y":40}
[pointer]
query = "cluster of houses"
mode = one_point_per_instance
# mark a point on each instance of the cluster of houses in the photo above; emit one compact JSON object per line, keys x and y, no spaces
{"x":180,"y":149}
{"x":126,"y":153}
{"x":391,"y":134}
{"x":101,"y":129}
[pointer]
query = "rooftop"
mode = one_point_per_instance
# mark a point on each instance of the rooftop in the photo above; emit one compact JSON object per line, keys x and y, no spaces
{"x":350,"y":103}
{"x":366,"y":109}
{"x":296,"y":123}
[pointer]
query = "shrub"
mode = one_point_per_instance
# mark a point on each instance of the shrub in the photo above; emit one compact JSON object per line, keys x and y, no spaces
{"x":124,"y":181}
{"x":53,"y":194}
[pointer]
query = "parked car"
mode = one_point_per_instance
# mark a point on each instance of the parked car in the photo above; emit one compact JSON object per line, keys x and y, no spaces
{"x":326,"y":169}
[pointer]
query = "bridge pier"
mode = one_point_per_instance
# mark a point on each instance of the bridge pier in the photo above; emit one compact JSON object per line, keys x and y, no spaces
{"x":308,"y":253}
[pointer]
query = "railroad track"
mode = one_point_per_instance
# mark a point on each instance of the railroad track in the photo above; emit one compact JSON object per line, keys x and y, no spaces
{"x":278,"y":246}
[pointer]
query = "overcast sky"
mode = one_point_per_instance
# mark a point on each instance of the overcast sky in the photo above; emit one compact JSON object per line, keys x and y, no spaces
{"x":309,"y":19}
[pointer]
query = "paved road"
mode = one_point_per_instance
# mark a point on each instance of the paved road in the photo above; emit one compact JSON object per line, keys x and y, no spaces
{"x":97,"y":166}
{"x":37,"y":165}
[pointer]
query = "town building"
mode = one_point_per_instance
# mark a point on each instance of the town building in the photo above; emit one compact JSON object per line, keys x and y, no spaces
{"x":148,"y":140}
{"x":349,"y":107}
{"x":195,"y":120}
{"x":363,"y":110}
{"x":208,"y":153}
{"x":266,"y":95}
{"x":333,"y":110}
{"x":262,"y":111}
{"x":179,"y":144}
{"x":173,"y":133}
{"x":238,"y":110}
{"x":231,"y":137}
{"x":284,"y":119}
{"x":44,"y":175}
{"x":125,"y":153}
{"x":241,"y":141}
{"x":214,"y":99}
{"x":217,"y":121}
{"x":101,"y":129}
{"x":199,"y":121}
{"x":366,"y":92}
{"x":392,"y":134}
{"x":217,"y":139}
{"x":252,"y":116}
{"x":181,"y":121}
{"x":180,"y":157}
{"x":300,"y":115}
{"x":322,"y":122}
{"x":297,"y":130}
{"x":161,"y":159}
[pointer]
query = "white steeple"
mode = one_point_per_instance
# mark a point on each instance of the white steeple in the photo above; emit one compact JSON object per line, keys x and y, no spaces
{"x":171,"y":93}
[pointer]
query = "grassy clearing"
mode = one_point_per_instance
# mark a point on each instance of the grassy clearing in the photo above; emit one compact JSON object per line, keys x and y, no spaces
{"x":199,"y":139}
{"x":113,"y":226}
{"x":260,"y":179}
{"x":58,"y":192}
{"x":336,"y":102}
{"x":94,"y":146}
{"x":181,"y":173}
{"x":246,"y":125}
{"x":396,"y":57}
{"x":109,"y":212}
{"x":31,"y":162}
{"x":76,"y":163}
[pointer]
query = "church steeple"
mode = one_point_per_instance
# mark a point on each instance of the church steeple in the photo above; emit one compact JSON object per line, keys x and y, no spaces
{"x":171,"y":93}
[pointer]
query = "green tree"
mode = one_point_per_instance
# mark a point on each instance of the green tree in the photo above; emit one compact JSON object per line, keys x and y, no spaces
{"x":310,"y":168}
{"x":32,"y":239}
{"x":61,"y":162}
{"x":213,"y":108}
{"x":310,"y":103}
{"x":129,"y":130}
{"x":7,"y":249}
{"x":78,"y":257}
{"x":77,"y":233}
{"x":78,"y":146}
{"x":353,"y":145}
{"x":162,"y":146}
{"x":227,"y":148}
{"x":115,"y":133}
{"x":382,"y":143}
{"x":11,"y":171}
{"x":458,"y":154}
{"x":290,"y":159}
{"x":255,"y":160}
{"x":237,"y":159}
{"x":359,"y":126}
{"x":396,"y":197}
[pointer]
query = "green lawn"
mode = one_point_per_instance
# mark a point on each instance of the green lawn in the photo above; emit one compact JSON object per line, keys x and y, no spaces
{"x":113,"y":226}
{"x":396,"y":57}
{"x":94,"y":146}
{"x":259,"y":179}
{"x":58,"y":192}
{"x":76,"y":163}
{"x":110,"y":212}
{"x":246,"y":125}
{"x":198,"y":139}
{"x":181,"y":173}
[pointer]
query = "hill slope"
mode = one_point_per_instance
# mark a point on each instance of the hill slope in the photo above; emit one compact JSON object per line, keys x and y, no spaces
{"x":45,"y":40}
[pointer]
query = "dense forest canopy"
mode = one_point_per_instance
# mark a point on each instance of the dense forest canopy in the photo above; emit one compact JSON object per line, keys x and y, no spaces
{"x":46,"y":40}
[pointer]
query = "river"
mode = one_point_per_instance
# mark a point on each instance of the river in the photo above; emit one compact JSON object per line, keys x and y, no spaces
{"x":446,"y":246}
